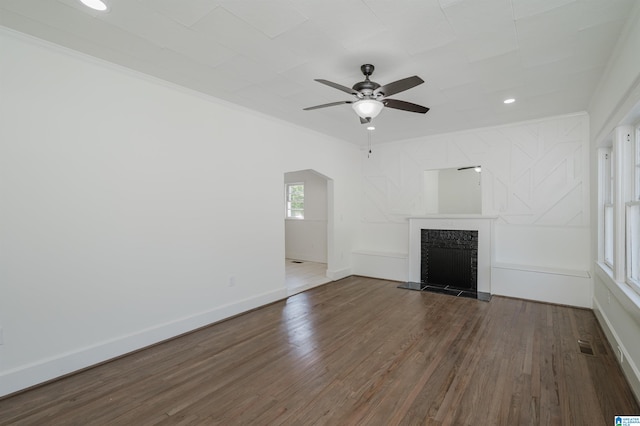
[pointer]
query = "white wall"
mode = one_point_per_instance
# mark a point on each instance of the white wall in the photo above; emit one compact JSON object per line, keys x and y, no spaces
{"x":618,"y":94}
{"x":535,"y":180}
{"x":133,"y":210}
{"x":430,"y":187}
{"x":306,"y":239}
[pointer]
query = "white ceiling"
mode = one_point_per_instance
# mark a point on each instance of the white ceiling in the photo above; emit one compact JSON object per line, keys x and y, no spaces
{"x":265,"y":54}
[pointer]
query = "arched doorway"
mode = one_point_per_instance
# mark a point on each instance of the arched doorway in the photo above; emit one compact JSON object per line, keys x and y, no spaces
{"x":306,"y":229}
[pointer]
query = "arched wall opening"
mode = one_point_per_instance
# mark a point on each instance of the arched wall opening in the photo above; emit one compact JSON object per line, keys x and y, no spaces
{"x":307,"y":233}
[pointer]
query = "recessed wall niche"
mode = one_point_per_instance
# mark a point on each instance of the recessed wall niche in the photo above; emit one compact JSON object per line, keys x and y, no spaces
{"x":453,"y":191}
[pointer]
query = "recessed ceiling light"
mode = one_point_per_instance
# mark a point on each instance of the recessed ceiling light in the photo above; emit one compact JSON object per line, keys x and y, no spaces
{"x":371,"y":127}
{"x":509,"y":101}
{"x":95,"y":4}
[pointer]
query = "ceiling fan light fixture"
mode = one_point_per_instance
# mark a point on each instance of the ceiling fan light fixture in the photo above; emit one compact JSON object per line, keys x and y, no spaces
{"x":368,"y":108}
{"x":99,"y":5}
{"x":372,"y":97}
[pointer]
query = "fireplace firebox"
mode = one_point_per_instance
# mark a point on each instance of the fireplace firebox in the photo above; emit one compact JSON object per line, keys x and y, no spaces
{"x":449,"y":259}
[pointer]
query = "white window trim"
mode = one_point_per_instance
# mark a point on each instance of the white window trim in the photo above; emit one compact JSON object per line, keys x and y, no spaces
{"x":608,"y":245}
{"x":636,"y":167}
{"x":633,"y":282}
{"x":605,"y":201}
{"x":621,"y":193}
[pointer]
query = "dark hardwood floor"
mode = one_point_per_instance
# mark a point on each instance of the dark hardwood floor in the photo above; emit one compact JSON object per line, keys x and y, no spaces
{"x":356,"y":351}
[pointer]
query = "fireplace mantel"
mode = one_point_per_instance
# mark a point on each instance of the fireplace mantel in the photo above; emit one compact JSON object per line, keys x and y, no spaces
{"x":482,"y":224}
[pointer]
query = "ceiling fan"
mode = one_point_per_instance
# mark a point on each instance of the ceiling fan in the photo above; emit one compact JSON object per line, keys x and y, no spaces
{"x":372,"y":97}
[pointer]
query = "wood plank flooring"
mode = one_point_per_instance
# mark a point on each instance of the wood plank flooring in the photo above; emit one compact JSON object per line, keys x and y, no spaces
{"x":303,"y":276}
{"x":355,"y":352}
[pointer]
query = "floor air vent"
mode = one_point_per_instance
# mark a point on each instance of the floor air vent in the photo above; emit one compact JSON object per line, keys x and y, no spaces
{"x":585,"y":347}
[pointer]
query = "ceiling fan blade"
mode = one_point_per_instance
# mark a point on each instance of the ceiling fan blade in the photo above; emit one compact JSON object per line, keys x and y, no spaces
{"x":327,"y":105}
{"x":466,"y":168}
{"x":405,"y":106}
{"x":338,"y":86}
{"x":399,"y":86}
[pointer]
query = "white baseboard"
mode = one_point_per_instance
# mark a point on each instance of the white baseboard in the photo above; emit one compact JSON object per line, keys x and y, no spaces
{"x":23,"y":377}
{"x":338,"y":274}
{"x":629,"y":368}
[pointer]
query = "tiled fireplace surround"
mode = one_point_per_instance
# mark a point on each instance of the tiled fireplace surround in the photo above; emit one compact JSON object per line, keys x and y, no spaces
{"x":482,"y":224}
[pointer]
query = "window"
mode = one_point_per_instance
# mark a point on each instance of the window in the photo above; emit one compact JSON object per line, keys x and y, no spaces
{"x":619,"y":198}
{"x":295,"y":200}
{"x":633,"y":218}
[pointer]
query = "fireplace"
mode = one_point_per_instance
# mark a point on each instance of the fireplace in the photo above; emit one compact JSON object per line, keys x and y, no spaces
{"x":463,"y":240}
{"x":449,"y":258}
